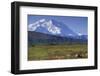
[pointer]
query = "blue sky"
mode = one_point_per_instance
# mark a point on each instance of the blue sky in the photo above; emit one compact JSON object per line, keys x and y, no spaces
{"x":76,"y":23}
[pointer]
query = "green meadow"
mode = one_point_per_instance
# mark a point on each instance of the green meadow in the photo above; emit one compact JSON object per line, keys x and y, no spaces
{"x":54,"y":52}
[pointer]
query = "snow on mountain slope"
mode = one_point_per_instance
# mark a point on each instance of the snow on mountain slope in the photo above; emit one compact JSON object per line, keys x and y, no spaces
{"x":48,"y":25}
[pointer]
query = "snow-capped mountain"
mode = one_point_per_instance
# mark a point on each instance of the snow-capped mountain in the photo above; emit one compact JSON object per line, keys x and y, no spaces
{"x":44,"y":26}
{"x":49,"y":31}
{"x":52,"y":27}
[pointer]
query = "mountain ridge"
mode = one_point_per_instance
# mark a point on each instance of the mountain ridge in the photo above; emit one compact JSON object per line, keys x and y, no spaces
{"x":51,"y":26}
{"x":38,"y":38}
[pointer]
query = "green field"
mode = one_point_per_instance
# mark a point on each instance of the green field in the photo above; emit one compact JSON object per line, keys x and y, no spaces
{"x":52,"y":52}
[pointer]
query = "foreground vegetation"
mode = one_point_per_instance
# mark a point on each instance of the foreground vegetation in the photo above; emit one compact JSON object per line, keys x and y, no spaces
{"x":51,"y":52}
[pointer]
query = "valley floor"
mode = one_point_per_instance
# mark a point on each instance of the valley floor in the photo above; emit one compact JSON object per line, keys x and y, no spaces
{"x":53,"y":52}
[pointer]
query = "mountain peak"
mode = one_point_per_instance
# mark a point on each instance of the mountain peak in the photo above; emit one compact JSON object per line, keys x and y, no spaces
{"x":47,"y":24}
{"x":50,"y":26}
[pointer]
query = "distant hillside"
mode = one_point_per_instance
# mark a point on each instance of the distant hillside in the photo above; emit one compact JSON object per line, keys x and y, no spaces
{"x":41,"y":38}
